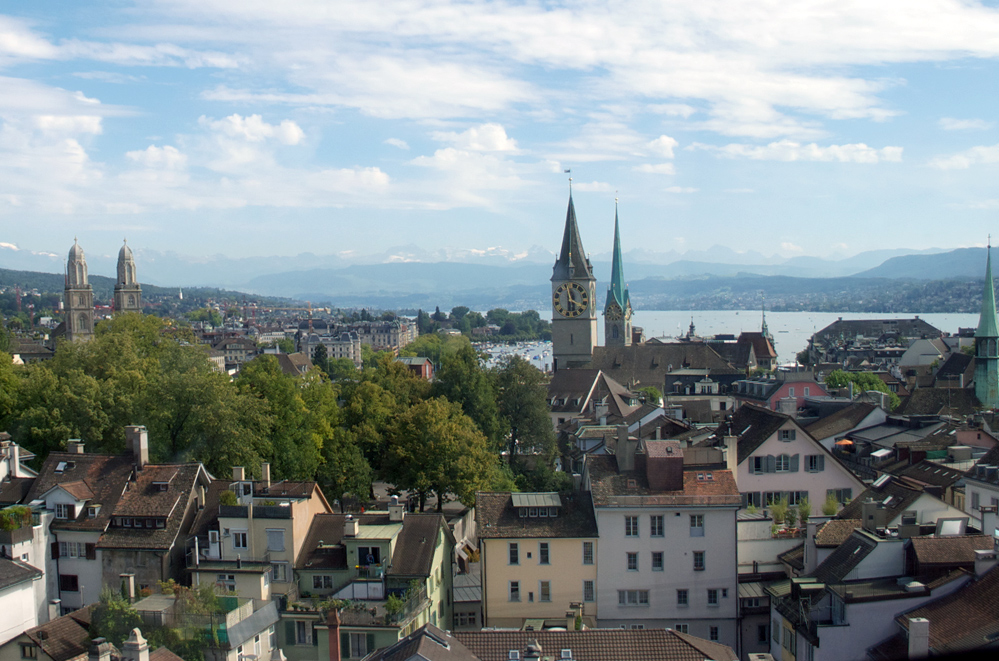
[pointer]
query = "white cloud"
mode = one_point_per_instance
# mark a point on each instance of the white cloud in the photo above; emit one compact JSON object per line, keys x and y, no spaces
{"x":789,"y":247}
{"x":951,"y":124}
{"x":396,"y":142}
{"x":109,"y":77}
{"x":255,"y":129}
{"x":655,"y":168}
{"x":487,"y":137}
{"x":680,"y":189}
{"x":68,"y":124}
{"x":964,"y":160}
{"x":789,"y":150}
{"x":663,"y":146}
{"x":159,"y":157}
{"x":672,"y":109}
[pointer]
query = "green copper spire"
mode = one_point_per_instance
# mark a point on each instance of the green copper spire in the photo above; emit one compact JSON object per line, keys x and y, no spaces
{"x":987,"y":326}
{"x":618,"y":290}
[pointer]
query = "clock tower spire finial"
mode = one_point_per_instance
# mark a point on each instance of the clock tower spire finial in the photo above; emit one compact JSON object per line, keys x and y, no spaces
{"x":574,"y":317}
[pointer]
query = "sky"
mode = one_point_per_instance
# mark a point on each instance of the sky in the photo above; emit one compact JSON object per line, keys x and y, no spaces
{"x":349,"y":128}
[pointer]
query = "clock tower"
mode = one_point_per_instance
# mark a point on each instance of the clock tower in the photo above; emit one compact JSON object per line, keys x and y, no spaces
{"x":574,"y":290}
{"x":617,"y":312}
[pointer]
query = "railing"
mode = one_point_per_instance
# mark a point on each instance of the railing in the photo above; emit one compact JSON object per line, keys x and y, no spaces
{"x":259,"y":511}
{"x":232,"y":559}
{"x":671,"y":501}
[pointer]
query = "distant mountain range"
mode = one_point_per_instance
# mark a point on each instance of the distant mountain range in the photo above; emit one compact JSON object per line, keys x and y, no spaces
{"x":719,"y":278}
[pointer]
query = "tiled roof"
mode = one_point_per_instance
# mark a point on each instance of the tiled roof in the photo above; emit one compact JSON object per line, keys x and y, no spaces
{"x":841,"y":421}
{"x":794,"y":556}
{"x":834,"y":532}
{"x":104,"y":477}
{"x":928,"y":472}
{"x":939,"y":401}
{"x":142,"y":498}
{"x":647,"y":364}
{"x":64,"y":638}
{"x":209,"y":514}
{"x":78,"y":489}
{"x":497,"y":518}
{"x":428,"y":643}
{"x":967,"y":619}
{"x":13,"y":572}
{"x":609,"y":485}
{"x":163,"y":654}
{"x":596,"y":645}
{"x":949,"y":550}
{"x":15,"y":489}
{"x":842,"y":561}
{"x":754,"y":425}
{"x":902,"y":496}
{"x":285,"y":489}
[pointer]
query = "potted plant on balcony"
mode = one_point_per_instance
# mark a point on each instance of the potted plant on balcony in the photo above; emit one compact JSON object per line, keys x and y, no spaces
{"x":778,"y":509}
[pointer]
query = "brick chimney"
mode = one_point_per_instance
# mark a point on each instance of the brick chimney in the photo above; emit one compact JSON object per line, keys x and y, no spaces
{"x":74,"y":446}
{"x":664,"y":465}
{"x":138,"y":441}
{"x":135,"y":648}
{"x":100,"y":650}
{"x":919,"y":638}
{"x":333,"y":627}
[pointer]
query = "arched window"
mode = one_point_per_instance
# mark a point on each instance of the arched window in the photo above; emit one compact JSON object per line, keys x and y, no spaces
{"x":131,"y":300}
{"x":614,"y":332}
{"x":81,"y":323}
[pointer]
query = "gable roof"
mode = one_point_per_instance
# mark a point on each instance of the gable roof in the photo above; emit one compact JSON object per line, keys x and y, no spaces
{"x":754,"y":425}
{"x":949,"y":551}
{"x":596,"y":645}
{"x":834,"y":532}
{"x":428,"y":643}
{"x":13,"y":572}
{"x":496,"y":517}
{"x":608,"y":484}
{"x":648,"y":364}
{"x":933,"y":474}
{"x":841,"y":421}
{"x":902,"y":495}
{"x":103,"y":477}
{"x":846,"y":558}
{"x":64,"y":638}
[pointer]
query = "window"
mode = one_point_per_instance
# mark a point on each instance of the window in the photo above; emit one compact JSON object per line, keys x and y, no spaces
{"x":514,"y":590}
{"x":587,"y":553}
{"x":682,"y":598}
{"x":752,"y":499}
{"x":256,"y":645}
{"x":761,"y":634}
{"x":322,"y":582}
{"x":776,"y":631}
{"x":841,"y":495}
{"x":280,"y":572}
{"x":589,"y":593}
{"x":239,"y":540}
{"x":29,"y":651}
{"x":71,"y":550}
{"x":697,"y":525}
{"x":63,"y":511}
{"x":657,"y":561}
{"x":795,"y":497}
{"x":633,"y":597}
{"x":226,"y":582}
{"x":272,"y":637}
{"x":275,"y":539}
{"x":632,"y":561}
{"x":783,"y":463}
{"x":815,"y":463}
{"x":787,"y":434}
{"x":657,"y":525}
{"x":808,"y":391}
{"x":543,"y":558}
{"x":682,"y":628}
{"x":514,"y":553}
{"x":724,"y":593}
{"x":698,"y":560}
{"x":790,"y":391}
{"x":713,"y":633}
{"x":631,"y":526}
{"x":545,"y":591}
{"x":758,"y":465}
{"x":712,"y":597}
{"x":68,"y":583}
{"x":790,"y":642}
{"x":359,"y":645}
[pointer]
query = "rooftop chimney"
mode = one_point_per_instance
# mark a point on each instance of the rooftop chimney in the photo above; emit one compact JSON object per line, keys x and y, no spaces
{"x":100,"y":650}
{"x":238,"y":474}
{"x":351,"y":526}
{"x":664,"y":465}
{"x":138,"y":441}
{"x":333,"y":624}
{"x":54,"y":608}
{"x":625,"y":450}
{"x":533,"y":650}
{"x":128,"y":583}
{"x":265,"y":474}
{"x":397,"y":512}
{"x":74,"y":446}
{"x":135,"y":648}
{"x":919,"y":638}
{"x":984,"y":561}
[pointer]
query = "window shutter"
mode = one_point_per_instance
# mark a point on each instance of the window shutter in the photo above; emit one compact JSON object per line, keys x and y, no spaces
{"x":345,"y":650}
{"x":91,"y":551}
{"x":289,"y":632}
{"x":794,"y":463}
{"x":771,"y":463}
{"x":370,"y":643}
{"x":55,"y":550}
{"x":315,"y":636}
{"x":822,"y":462}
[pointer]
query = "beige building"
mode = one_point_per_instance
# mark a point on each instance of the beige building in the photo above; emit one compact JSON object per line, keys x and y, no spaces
{"x":538,"y":558}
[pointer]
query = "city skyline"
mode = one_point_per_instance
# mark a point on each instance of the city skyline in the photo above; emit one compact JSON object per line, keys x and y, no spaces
{"x":346,"y":129}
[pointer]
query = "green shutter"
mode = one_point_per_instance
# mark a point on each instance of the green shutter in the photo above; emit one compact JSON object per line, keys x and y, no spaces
{"x":370,"y":642}
{"x":344,"y":645}
{"x":289,"y":632}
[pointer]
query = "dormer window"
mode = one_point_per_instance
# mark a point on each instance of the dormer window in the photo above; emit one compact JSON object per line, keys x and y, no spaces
{"x":161,"y":486}
{"x":93,"y":511}
{"x":64,"y":511}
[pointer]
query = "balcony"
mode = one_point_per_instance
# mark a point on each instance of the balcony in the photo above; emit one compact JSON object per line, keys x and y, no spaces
{"x":395,"y":611}
{"x":259,"y":511}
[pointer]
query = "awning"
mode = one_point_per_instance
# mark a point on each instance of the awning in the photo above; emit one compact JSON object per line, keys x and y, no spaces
{"x":844,"y":441}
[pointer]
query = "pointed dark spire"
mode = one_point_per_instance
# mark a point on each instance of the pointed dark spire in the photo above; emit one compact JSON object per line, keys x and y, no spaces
{"x":987,"y":326}
{"x":572,"y":261}
{"x":618,"y":290}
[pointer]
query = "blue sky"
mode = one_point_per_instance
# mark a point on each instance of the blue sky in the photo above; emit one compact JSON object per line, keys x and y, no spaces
{"x":334,"y":127}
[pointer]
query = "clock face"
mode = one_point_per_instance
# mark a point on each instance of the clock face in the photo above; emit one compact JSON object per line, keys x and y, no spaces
{"x":613,"y":312}
{"x":570,"y":299}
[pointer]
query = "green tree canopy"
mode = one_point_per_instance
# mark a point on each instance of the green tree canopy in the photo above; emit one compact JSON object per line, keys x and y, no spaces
{"x":522,"y":393}
{"x":863,"y":381}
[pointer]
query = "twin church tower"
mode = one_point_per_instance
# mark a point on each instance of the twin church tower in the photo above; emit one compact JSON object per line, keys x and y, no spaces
{"x":574,"y":299}
{"x":79,"y":295}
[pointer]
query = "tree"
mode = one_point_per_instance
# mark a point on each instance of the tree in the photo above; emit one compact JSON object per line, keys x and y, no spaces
{"x":320,"y":358}
{"x":113,"y":617}
{"x":458,"y":313}
{"x":863,"y":381}
{"x":461,"y":379}
{"x":345,"y":470}
{"x":521,"y":393}
{"x":651,"y":395}
{"x":434,"y":448}
{"x":803,"y":357}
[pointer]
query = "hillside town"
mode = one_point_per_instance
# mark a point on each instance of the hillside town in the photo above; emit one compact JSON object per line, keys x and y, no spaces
{"x":281,"y":485}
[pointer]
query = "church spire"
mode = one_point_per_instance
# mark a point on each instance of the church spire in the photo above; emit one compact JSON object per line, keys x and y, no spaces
{"x":987,"y":326}
{"x":618,"y":290}
{"x":572,"y":261}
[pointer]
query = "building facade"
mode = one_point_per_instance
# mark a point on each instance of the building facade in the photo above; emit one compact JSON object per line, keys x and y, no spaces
{"x":127,"y":291}
{"x":574,"y":293}
{"x":79,"y":297}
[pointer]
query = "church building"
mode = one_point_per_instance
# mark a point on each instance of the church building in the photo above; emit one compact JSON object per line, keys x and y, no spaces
{"x":127,"y":291}
{"x":79,"y":297}
{"x":987,"y":344}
